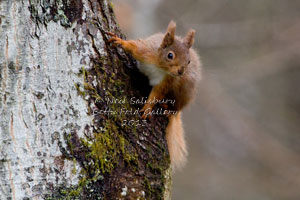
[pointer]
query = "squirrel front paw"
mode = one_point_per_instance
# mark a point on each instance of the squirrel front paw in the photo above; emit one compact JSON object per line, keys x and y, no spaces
{"x":114,"y":39}
{"x":149,"y":109}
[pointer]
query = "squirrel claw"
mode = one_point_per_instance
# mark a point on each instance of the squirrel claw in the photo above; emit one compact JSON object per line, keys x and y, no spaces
{"x":111,"y":34}
{"x":144,"y":116}
{"x":142,"y":110}
{"x":115,"y":40}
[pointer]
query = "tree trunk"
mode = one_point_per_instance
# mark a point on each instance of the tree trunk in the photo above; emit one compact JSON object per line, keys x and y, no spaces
{"x":57,"y":75}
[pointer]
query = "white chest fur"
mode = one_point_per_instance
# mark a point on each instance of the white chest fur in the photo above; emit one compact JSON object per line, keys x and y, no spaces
{"x":154,"y":74}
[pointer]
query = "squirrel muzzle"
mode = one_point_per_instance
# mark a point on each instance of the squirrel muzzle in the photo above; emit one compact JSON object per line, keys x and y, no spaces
{"x":180,"y":71}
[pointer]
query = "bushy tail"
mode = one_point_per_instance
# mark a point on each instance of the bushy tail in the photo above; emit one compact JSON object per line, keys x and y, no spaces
{"x":176,"y":141}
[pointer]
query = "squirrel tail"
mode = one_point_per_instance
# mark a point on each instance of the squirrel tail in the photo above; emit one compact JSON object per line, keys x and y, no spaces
{"x":176,"y":141}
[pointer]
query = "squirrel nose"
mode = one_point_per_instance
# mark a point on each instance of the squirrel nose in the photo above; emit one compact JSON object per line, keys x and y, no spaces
{"x":181,"y":71}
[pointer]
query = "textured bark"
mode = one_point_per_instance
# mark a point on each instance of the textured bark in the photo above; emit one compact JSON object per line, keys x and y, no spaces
{"x":56,"y":70}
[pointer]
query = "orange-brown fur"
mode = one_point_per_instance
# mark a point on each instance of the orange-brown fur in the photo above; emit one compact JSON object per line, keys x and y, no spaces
{"x":180,"y":75}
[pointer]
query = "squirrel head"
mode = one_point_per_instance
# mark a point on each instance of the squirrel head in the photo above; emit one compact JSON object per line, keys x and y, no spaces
{"x":174,"y":52}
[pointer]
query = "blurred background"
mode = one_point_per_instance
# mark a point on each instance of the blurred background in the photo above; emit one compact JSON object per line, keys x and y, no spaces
{"x":243,"y":131}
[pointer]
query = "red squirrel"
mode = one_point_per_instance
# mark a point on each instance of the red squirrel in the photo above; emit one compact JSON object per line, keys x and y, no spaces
{"x":173,"y":69}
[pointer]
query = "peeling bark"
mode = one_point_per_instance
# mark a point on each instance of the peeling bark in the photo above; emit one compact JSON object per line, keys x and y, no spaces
{"x":56,"y":71}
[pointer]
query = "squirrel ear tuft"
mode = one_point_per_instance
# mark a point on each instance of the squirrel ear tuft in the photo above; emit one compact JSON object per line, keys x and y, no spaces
{"x":171,"y":27}
{"x":189,"y":38}
{"x":169,"y":36}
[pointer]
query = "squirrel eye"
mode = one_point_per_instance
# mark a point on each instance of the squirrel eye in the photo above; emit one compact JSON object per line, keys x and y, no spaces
{"x":170,"y":55}
{"x":189,"y":62}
